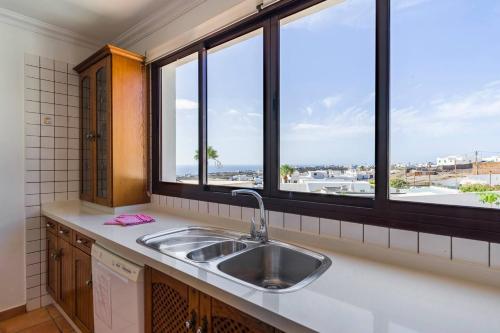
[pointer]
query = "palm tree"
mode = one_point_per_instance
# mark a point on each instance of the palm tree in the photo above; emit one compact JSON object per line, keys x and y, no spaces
{"x":286,"y":171}
{"x":212,"y":154}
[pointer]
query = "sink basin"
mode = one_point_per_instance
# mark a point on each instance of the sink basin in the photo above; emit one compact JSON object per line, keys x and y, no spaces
{"x":216,"y":250}
{"x":182,"y":241}
{"x":272,"y":267}
{"x":275,"y":266}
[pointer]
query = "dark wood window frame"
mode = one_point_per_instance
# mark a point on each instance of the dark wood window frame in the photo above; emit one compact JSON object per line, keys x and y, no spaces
{"x":457,"y":221}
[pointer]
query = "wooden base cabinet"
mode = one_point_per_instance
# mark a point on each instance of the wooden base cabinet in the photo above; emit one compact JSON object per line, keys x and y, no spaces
{"x":172,"y":306}
{"x":69,"y":273}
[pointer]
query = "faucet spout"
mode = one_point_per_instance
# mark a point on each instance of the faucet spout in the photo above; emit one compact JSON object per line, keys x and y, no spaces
{"x":261,"y":234}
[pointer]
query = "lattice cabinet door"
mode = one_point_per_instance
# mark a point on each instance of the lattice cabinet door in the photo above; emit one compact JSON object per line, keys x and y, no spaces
{"x":218,"y":317}
{"x":171,"y":306}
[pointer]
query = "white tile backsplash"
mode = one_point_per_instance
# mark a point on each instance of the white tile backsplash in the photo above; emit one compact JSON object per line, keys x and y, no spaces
{"x":495,"y":255}
{"x":352,"y":231}
{"x":46,"y":159}
{"x":276,"y":219}
{"x":235,"y":212}
{"x":310,"y":225}
{"x":329,"y":227}
{"x":376,"y":235}
{"x":404,"y":240}
{"x":292,"y":222}
{"x":435,"y":245}
{"x":470,"y":250}
{"x":223,"y":210}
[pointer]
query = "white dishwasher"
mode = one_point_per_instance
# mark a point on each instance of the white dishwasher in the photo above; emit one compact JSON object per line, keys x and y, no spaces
{"x":118,"y":290}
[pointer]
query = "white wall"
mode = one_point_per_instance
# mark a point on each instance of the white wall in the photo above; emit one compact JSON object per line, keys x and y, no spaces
{"x":15,"y":43}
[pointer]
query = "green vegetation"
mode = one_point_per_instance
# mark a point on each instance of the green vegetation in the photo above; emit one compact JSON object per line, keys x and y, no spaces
{"x":286,"y":171}
{"x":212,"y":154}
{"x":478,"y":188}
{"x":399,"y":183}
{"x":372,"y":182}
{"x":490,"y":198}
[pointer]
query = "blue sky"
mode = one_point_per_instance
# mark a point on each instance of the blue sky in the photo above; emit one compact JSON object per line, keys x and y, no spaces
{"x":445,"y":86}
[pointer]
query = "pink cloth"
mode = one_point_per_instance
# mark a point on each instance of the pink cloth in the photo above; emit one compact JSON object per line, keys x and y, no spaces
{"x":130,"y":219}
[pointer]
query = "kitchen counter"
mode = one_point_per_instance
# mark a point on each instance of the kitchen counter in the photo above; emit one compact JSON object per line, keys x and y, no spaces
{"x":354,"y":295}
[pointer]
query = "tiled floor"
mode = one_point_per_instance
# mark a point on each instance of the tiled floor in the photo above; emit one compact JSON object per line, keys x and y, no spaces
{"x":43,"y":320}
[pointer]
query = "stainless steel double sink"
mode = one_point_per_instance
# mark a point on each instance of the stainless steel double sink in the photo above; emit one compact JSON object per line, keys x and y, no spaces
{"x":272,"y":266}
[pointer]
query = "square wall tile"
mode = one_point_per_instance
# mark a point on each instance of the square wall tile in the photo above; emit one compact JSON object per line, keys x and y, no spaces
{"x":202,"y":207}
{"x":177,"y":203}
{"x":292,"y":221}
{"x":435,"y":245}
{"x":248,"y":213}
{"x":495,"y":255}
{"x":185,"y":204}
{"x":329,"y":227}
{"x":170,"y":202}
{"x":404,"y":240}
{"x":213,"y":208}
{"x":32,"y":71}
{"x":351,"y":230}
{"x":32,"y":60}
{"x":235,"y":212}
{"x":470,"y":250}
{"x":223,"y":210}
{"x":193,"y":205}
{"x":310,"y":225}
{"x":376,"y":235}
{"x":276,"y":219}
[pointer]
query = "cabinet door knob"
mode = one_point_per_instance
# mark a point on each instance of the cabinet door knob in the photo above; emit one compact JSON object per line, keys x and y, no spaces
{"x":48,"y":225}
{"x":79,"y":241}
{"x":88,"y":283}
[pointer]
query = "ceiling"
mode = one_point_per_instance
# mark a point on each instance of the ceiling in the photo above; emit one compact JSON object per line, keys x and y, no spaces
{"x":100,"y":20}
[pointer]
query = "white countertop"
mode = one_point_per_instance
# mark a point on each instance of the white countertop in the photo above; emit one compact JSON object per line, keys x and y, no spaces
{"x":353,"y":295}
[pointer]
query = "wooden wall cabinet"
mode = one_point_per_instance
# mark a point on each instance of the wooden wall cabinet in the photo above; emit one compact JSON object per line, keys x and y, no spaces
{"x":113,"y":130}
{"x":69,"y":273}
{"x":172,"y":306}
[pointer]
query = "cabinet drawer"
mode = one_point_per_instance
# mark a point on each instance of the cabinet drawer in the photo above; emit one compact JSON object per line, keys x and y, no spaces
{"x":51,"y":225}
{"x":82,"y":242}
{"x":65,"y":233}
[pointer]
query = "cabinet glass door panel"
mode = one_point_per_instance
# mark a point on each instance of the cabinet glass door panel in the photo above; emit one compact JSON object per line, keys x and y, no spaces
{"x":86,"y":135}
{"x":102,"y":133}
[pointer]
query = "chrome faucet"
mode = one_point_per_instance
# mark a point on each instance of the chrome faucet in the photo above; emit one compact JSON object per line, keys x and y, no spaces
{"x":261,"y":234}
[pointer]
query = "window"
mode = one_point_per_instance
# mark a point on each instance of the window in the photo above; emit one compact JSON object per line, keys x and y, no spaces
{"x":445,"y":102}
{"x":235,"y":112}
{"x":327,"y":99}
{"x":372,"y":111}
{"x":179,"y":98}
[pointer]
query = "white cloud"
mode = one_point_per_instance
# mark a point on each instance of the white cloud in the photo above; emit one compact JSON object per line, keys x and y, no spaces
{"x":309,"y":111}
{"x":254,"y":114}
{"x":331,"y":101}
{"x":447,"y":115}
{"x":185,"y":104}
{"x":233,"y":112}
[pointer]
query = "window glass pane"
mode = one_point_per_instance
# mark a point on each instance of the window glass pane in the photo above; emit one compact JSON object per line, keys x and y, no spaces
{"x":327,"y":105}
{"x":180,"y":120}
{"x":445,"y":102}
{"x":235,"y":112}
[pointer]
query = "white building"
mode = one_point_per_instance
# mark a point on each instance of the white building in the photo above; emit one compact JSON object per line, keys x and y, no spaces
{"x":453,"y":160}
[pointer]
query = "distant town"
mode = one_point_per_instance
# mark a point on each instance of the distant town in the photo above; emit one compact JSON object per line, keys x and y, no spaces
{"x":468,"y":179}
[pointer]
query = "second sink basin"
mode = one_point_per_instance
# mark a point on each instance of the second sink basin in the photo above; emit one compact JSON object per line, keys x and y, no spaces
{"x":275,"y":267}
{"x":216,"y":250}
